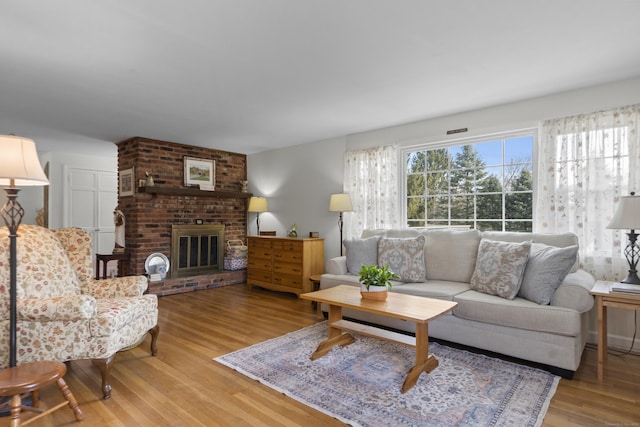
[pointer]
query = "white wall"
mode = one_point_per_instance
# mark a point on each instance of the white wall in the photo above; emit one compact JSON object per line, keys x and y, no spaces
{"x":298,"y":180}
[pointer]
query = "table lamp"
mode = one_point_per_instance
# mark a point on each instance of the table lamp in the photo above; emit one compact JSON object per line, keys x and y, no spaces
{"x":627,"y":217}
{"x":258,"y":205}
{"x":340,"y":202}
{"x":19,"y":166}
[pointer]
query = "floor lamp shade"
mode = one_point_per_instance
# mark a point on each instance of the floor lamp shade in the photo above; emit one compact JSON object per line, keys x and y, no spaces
{"x":19,"y":166}
{"x":257,"y":205}
{"x":627,"y":217}
{"x":340,"y":202}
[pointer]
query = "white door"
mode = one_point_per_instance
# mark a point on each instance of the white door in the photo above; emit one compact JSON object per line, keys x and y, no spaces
{"x":92,"y":196}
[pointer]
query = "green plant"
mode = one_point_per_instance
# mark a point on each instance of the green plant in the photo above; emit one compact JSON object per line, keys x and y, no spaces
{"x":373,"y":275}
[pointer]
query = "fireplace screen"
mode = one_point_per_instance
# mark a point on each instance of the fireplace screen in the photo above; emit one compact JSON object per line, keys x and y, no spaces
{"x":196,"y":249}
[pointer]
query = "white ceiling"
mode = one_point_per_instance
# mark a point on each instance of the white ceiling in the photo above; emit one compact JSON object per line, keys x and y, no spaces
{"x":253,"y":75}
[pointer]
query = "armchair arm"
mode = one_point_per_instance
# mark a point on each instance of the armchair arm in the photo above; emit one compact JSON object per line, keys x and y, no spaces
{"x":72,"y":307}
{"x":118,"y":287}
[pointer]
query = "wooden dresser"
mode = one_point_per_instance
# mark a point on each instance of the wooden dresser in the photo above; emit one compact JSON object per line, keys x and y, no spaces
{"x":284,"y":264}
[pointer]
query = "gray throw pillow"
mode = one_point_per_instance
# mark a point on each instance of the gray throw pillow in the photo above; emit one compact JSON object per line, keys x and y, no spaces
{"x":361,"y":252}
{"x":405,"y":257}
{"x":500,"y":267}
{"x":546,"y":269}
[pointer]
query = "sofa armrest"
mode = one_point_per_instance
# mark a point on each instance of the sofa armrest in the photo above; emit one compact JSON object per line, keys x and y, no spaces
{"x":117,"y":287}
{"x":337,"y":265}
{"x":72,"y":307}
{"x":575,"y":292}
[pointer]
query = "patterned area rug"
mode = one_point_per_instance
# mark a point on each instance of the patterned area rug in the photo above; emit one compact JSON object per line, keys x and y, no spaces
{"x":360,"y":384}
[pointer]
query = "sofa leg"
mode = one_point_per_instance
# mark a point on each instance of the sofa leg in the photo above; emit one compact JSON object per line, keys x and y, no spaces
{"x":154,"y":339}
{"x":104,"y":365}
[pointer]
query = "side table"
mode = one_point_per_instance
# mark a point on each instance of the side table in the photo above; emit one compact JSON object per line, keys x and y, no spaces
{"x":605,"y":298}
{"x":30,"y":378}
{"x":105,"y":258}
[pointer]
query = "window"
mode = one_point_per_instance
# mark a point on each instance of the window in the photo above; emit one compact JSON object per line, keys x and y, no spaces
{"x":484,"y":184}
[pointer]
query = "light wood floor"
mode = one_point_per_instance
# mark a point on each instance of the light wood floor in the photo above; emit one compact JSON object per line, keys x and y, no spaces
{"x":182,"y":386}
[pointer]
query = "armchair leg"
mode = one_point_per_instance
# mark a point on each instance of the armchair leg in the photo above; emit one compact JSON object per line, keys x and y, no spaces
{"x":104,"y":365}
{"x":154,"y":339}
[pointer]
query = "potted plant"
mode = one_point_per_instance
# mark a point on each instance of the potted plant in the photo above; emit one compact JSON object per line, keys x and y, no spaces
{"x":375,"y":281}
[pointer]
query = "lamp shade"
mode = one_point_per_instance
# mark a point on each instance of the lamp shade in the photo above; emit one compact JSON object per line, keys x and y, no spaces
{"x":627,"y":216}
{"x":258,"y":204}
{"x":19,"y":164}
{"x":340,"y":202}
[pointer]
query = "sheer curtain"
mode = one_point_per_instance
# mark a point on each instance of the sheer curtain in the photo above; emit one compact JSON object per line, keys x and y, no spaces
{"x":371,"y":178}
{"x":585,"y":163}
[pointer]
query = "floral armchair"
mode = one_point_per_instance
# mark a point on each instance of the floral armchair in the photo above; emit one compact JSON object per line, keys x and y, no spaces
{"x":63,"y":312}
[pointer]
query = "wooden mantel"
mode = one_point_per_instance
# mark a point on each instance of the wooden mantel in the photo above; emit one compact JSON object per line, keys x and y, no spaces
{"x":186,"y":191}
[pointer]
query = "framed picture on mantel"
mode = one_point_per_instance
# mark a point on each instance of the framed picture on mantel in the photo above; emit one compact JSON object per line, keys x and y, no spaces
{"x":199,"y":172}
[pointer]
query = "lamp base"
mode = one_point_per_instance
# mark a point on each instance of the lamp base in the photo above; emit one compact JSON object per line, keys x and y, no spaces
{"x":632,"y":278}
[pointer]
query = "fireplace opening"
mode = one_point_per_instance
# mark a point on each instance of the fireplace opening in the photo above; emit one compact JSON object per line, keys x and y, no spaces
{"x":196,"y":249}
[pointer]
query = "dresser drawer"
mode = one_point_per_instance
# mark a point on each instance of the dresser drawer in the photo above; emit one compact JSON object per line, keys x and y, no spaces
{"x":259,"y":275}
{"x":260,"y":252}
{"x":287,"y":245}
{"x":287,"y":268}
{"x":289,"y":281}
{"x":259,"y":264}
{"x":285,"y":256}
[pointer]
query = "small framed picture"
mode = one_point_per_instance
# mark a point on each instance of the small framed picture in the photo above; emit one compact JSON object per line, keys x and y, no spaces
{"x":126,"y":182}
{"x":199,"y":172}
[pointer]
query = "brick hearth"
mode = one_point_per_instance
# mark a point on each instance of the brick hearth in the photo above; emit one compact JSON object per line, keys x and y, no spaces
{"x":151,"y":212}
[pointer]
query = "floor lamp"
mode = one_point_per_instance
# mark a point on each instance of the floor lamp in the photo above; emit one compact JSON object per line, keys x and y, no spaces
{"x":257,"y":205}
{"x":627,"y":217}
{"x":340,"y":202}
{"x":19,"y":166}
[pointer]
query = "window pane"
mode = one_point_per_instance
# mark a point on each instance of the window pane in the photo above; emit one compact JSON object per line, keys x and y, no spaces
{"x":524,"y":226}
{"x":415,"y":162}
{"x":518,"y":205}
{"x":518,"y":150}
{"x":489,"y":206}
{"x":415,"y":185}
{"x":437,"y":183}
{"x":437,"y":208}
{"x":438,"y":159}
{"x":462,"y":207}
{"x":489,"y":225}
{"x":489,"y":153}
{"x":415,"y":224}
{"x":490,"y":181}
{"x":415,"y":208}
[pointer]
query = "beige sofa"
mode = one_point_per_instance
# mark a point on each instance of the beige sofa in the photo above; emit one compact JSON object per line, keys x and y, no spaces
{"x":549,"y":332}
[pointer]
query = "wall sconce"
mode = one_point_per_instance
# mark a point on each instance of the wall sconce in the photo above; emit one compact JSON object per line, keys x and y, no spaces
{"x":258,"y":205}
{"x":340,"y":202}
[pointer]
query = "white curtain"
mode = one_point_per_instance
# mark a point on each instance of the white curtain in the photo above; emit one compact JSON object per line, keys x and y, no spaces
{"x":585,"y":163}
{"x":371,"y":178}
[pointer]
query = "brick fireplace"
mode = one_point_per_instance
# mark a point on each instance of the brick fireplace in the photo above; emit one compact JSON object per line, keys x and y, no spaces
{"x":152,"y":211}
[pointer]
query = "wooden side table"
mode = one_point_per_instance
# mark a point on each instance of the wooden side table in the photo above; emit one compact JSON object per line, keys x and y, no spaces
{"x":605,"y":298}
{"x":30,"y":378}
{"x":105,"y":258}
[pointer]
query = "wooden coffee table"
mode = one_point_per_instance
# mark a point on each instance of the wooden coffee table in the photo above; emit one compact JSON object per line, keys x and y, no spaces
{"x":418,"y":310}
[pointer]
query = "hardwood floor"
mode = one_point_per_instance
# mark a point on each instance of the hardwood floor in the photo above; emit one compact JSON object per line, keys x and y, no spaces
{"x":182,"y":386}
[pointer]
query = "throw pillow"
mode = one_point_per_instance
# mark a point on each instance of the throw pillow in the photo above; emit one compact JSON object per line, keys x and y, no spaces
{"x":500,"y":267}
{"x":546,"y":269}
{"x":361,"y":252}
{"x":405,"y":257}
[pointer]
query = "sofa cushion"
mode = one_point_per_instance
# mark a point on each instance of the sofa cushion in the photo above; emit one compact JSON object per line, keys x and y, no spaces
{"x":545,"y":270}
{"x":517,"y":313}
{"x":559,"y":240}
{"x":500,"y":267}
{"x":438,"y":289}
{"x":361,"y":252}
{"x":451,"y":254}
{"x":405,"y":257}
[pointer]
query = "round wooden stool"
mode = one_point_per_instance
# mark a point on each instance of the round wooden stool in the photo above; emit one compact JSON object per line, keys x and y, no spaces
{"x":30,"y":378}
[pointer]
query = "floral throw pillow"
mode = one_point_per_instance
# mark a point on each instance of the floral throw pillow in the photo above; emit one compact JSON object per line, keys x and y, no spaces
{"x":405,"y":257}
{"x":500,"y":267}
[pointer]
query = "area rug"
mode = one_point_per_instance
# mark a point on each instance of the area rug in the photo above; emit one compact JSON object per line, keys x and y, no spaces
{"x":360,"y":384}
